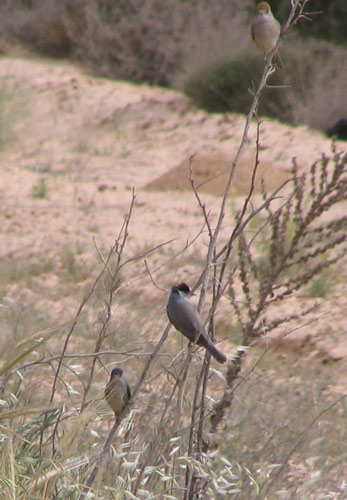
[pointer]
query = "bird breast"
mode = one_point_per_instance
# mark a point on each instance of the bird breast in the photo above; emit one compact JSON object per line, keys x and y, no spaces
{"x":116,"y":394}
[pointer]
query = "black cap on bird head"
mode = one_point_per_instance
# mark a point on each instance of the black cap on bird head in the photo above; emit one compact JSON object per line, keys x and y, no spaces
{"x":116,"y":372}
{"x":183,"y":287}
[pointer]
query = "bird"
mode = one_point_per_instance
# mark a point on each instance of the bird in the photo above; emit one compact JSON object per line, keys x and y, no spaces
{"x":265,"y":28}
{"x":117,"y":391}
{"x":186,"y":319}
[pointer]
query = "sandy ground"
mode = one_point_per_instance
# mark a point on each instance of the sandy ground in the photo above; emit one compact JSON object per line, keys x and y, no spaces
{"x":72,"y":149}
{"x":91,"y":141}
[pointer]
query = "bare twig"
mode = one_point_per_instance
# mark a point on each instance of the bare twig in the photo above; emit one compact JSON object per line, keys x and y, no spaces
{"x":213,"y":255}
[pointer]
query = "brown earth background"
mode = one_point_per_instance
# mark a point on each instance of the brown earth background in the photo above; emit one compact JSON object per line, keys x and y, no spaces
{"x":85,"y":143}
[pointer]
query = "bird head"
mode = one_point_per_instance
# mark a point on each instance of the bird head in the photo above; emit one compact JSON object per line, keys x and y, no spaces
{"x":184,"y":290}
{"x":263,"y":8}
{"x":116,"y":372}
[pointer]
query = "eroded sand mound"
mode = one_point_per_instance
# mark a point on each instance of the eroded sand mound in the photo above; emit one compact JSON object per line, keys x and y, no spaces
{"x":211,"y":171}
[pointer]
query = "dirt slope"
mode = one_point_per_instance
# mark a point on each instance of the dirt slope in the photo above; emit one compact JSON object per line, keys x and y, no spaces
{"x":76,"y":145}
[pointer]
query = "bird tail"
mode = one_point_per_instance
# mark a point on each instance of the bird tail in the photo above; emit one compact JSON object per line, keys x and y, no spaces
{"x":205,"y":341}
{"x":218,"y":356}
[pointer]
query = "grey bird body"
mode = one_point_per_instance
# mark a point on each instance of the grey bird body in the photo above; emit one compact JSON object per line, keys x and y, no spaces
{"x":117,"y":392}
{"x":186,"y":319}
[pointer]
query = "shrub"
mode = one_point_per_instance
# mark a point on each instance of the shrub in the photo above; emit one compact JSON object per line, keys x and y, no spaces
{"x":300,"y":246}
{"x":139,"y":41}
{"x":40,"y":25}
{"x":310,"y":87}
{"x":225,"y":87}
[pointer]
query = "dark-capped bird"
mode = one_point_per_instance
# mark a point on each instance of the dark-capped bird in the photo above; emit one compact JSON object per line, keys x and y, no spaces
{"x":186,"y":319}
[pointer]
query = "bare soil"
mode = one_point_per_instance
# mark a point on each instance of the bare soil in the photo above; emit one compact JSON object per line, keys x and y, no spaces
{"x":91,"y":141}
{"x":73,"y":149}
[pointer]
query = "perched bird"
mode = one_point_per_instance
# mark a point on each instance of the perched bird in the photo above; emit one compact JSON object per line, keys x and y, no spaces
{"x":265,"y":28}
{"x":186,"y":319}
{"x":117,"y":392}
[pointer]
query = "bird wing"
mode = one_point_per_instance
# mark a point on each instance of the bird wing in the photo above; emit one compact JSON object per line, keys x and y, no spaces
{"x":186,"y":315}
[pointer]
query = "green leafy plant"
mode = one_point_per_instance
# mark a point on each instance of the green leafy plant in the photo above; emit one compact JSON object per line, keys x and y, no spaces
{"x":40,"y":190}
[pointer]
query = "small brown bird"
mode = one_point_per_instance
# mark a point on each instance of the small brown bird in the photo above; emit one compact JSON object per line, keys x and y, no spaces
{"x":186,"y":319}
{"x":117,"y":391}
{"x":265,"y":28}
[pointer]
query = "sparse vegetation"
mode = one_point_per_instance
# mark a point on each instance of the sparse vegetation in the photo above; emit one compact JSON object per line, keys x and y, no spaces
{"x":300,"y":246}
{"x":309,"y":89}
{"x":263,"y":426}
{"x":225,"y":87}
{"x":321,"y":285}
{"x":202,"y":48}
{"x":149,"y":455}
{"x":40,"y":189}
{"x":11,"y":108}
